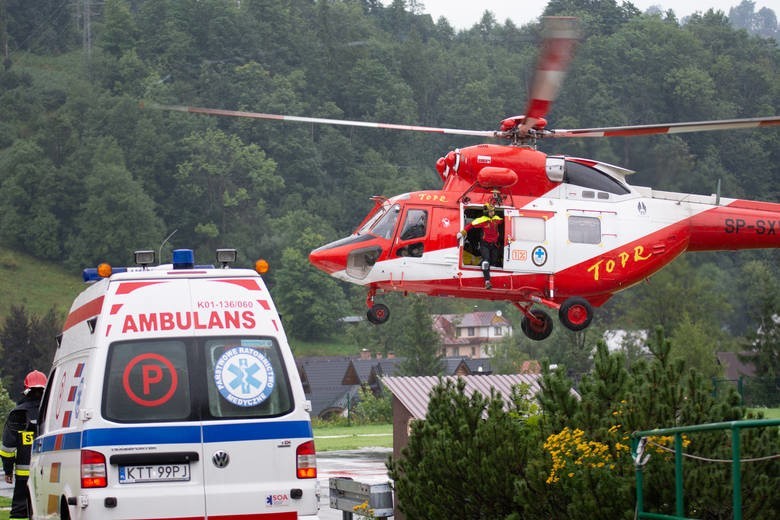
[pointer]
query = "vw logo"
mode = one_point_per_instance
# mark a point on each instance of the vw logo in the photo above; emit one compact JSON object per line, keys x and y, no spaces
{"x":220,"y":459}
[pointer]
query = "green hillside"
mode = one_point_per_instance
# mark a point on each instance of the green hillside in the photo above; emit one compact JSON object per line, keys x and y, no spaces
{"x":37,"y":285}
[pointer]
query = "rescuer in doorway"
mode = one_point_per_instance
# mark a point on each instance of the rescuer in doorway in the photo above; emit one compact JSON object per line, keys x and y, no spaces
{"x":18,"y":437}
{"x":489,"y":247}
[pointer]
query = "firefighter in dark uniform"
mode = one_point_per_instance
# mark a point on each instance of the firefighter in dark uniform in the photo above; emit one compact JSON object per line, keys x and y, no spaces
{"x":18,"y":437}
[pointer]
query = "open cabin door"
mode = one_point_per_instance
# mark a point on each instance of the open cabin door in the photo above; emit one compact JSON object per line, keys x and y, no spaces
{"x":528,"y":237}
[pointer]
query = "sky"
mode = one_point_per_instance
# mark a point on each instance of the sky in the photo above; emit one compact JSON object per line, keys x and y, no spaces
{"x":463,"y":14}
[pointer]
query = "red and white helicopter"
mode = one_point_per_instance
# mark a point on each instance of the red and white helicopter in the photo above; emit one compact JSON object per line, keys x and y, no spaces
{"x":573,"y":231}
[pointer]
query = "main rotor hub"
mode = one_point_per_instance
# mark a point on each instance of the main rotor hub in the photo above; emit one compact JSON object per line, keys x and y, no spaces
{"x":511,"y":123}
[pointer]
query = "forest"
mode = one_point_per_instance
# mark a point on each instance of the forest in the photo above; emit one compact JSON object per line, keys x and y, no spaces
{"x":90,"y":171}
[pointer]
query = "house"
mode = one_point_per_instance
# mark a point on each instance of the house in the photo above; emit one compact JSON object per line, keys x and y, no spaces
{"x":322,"y":383}
{"x":365,"y":372}
{"x":469,"y":335}
{"x":332,"y":383}
{"x":412,"y":394}
{"x":733,"y":365}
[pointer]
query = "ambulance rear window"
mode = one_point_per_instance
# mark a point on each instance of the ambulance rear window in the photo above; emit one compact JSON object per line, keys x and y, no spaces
{"x":245,"y":377}
{"x":147,"y":381}
{"x":194,"y":379}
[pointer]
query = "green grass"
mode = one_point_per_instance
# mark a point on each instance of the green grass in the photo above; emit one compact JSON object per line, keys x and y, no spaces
{"x":769,"y":413}
{"x":5,"y":508}
{"x":330,"y":438}
{"x":336,"y":347}
{"x":37,"y":285}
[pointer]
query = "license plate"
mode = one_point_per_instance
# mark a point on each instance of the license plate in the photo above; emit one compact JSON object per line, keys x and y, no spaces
{"x":154,"y":473}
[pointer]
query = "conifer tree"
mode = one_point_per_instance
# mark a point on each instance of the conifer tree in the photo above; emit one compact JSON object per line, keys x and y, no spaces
{"x":420,"y":343}
{"x":462,"y":460}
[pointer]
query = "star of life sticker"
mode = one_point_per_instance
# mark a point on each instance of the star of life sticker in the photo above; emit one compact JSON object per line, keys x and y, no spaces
{"x":244,"y":376}
{"x":539,"y":256}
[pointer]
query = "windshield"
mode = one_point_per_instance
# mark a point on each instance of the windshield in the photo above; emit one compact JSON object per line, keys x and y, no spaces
{"x":383,"y":222}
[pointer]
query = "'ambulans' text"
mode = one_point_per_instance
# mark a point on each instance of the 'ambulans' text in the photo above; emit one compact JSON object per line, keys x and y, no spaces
{"x":162,"y":321}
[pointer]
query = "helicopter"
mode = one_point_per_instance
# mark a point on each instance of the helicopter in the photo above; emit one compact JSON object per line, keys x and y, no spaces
{"x":572,"y":231}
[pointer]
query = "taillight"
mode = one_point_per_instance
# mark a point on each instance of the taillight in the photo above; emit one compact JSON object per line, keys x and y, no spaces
{"x":306,"y":460}
{"x":93,"y":469}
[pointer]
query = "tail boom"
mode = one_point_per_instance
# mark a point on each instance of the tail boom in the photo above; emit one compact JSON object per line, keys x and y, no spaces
{"x":742,"y":224}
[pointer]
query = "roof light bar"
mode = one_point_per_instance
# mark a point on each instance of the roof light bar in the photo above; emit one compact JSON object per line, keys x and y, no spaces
{"x":182,"y":259}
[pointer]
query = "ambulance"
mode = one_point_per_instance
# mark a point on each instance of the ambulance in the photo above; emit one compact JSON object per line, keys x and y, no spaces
{"x":174,"y":394}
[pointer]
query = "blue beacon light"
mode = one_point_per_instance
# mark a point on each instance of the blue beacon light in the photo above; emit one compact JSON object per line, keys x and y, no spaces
{"x":183,"y":259}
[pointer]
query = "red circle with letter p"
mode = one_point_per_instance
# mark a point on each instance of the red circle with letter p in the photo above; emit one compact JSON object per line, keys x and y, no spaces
{"x":150,"y":379}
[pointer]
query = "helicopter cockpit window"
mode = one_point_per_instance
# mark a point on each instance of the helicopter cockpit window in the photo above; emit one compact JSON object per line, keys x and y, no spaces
{"x":386,"y":224}
{"x":587,"y":177}
{"x":415,"y":224}
{"x":380,"y":212}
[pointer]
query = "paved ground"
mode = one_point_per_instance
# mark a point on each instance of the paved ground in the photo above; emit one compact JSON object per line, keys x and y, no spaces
{"x":6,"y":490}
{"x":366,"y":466}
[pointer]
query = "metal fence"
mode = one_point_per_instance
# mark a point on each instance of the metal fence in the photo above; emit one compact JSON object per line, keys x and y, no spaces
{"x":639,"y":441}
{"x":754,"y":391}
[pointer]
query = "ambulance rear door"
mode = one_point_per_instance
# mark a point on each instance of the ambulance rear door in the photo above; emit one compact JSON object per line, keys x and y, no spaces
{"x":254,"y":422}
{"x":150,"y":405}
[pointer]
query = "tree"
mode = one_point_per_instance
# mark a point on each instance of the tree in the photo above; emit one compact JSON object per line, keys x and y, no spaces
{"x":589,"y":473}
{"x":119,"y":32}
{"x":762,"y":23}
{"x":223,"y":188}
{"x":695,"y":343}
{"x":420,"y":345}
{"x":372,"y":409}
{"x":28,"y":343}
{"x":28,"y":204}
{"x":506,"y":357}
{"x":463,"y":460}
{"x":310,"y":303}
{"x":117,"y":216}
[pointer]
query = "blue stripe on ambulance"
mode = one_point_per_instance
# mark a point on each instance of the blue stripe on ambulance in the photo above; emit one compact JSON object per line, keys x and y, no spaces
{"x":253,"y":431}
{"x":125,"y":436}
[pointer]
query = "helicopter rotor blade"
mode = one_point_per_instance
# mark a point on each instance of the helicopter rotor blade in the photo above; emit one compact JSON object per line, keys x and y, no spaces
{"x":669,"y":128}
{"x":560,"y":35}
{"x":318,"y":120}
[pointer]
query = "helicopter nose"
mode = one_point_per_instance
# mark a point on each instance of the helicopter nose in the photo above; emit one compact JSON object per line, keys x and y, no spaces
{"x":328,"y":259}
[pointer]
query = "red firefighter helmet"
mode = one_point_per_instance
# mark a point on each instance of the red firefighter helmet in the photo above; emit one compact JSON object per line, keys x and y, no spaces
{"x":35,"y":379}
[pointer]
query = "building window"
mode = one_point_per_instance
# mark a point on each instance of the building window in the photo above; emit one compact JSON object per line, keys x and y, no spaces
{"x":470,"y":331}
{"x":498,"y":331}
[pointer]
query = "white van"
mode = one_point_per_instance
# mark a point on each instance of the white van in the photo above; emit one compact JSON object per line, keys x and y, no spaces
{"x":174,"y":394}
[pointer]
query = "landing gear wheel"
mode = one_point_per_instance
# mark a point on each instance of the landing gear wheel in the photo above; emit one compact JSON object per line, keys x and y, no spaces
{"x":576,"y":313}
{"x":378,"y":314}
{"x":539,"y":327}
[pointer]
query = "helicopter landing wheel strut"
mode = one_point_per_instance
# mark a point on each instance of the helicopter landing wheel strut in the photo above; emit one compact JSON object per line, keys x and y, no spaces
{"x":576,"y":313}
{"x":378,"y":314}
{"x":537,"y":325}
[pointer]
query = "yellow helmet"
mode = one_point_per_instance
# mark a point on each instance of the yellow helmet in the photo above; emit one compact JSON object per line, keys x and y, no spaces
{"x":489,"y":207}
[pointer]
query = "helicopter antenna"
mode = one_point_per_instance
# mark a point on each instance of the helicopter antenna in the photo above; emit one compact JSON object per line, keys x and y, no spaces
{"x":717,"y":194}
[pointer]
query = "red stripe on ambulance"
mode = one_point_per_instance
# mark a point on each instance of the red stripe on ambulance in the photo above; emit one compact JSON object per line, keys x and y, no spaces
{"x":128,"y":287}
{"x":86,"y":311}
